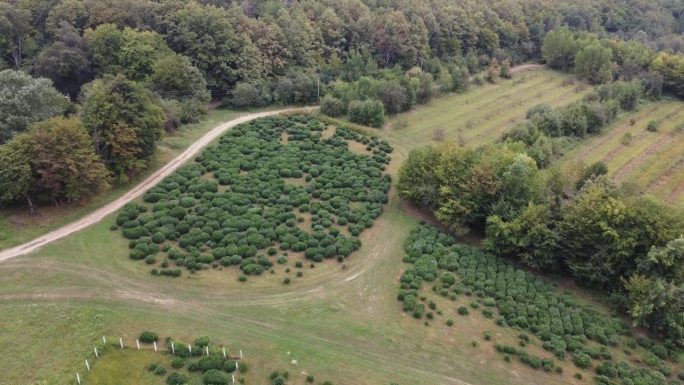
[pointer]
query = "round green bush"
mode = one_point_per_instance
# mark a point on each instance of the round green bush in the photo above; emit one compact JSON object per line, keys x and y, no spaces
{"x":148,"y":337}
{"x":215,"y":377}
{"x":176,"y":378}
{"x":159,"y":371}
{"x":177,"y":363}
{"x":462,"y":310}
{"x":581,"y":360}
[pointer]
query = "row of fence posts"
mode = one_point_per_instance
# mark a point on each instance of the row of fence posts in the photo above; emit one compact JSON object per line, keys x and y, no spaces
{"x":154,"y":343}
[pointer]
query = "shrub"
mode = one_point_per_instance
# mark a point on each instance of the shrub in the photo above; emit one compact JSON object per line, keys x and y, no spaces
{"x":286,"y":281}
{"x":462,"y":310}
{"x":581,"y":360}
{"x":369,"y":112}
{"x":332,"y":106}
{"x":159,"y":371}
{"x":148,"y":337}
{"x":626,"y":139}
{"x":450,"y":322}
{"x":177,"y":363}
{"x":652,"y":126}
{"x":215,"y":377}
{"x":309,"y":378}
{"x":242,"y":278}
{"x":176,"y":378}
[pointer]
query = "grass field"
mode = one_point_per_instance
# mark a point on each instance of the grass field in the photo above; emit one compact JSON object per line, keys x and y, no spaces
{"x":652,"y":161}
{"x":340,"y":324}
{"x":18,"y":225}
{"x":482,"y":114}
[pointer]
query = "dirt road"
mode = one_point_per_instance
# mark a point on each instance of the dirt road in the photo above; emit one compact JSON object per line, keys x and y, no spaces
{"x":138,"y":190}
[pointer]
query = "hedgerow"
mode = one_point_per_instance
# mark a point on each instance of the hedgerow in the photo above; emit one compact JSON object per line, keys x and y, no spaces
{"x":237,"y":205}
{"x":524,"y":302}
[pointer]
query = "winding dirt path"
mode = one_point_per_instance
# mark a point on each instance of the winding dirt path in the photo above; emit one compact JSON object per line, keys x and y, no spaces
{"x":138,"y":190}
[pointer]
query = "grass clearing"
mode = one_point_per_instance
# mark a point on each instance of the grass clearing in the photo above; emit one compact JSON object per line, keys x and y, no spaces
{"x":652,"y":161}
{"x":18,"y":225}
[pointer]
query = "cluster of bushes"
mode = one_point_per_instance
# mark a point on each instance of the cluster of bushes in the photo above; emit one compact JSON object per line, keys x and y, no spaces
{"x":542,"y":134}
{"x":522,"y":300}
{"x":367,"y":100}
{"x":534,"y":362}
{"x":579,"y":223}
{"x":214,"y":368}
{"x":238,"y":205}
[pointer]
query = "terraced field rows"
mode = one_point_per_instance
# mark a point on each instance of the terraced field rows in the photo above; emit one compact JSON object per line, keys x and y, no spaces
{"x":482,"y":114}
{"x":652,"y":161}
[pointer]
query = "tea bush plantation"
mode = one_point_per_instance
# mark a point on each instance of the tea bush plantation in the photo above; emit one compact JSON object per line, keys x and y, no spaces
{"x":567,"y":329}
{"x":244,"y":201}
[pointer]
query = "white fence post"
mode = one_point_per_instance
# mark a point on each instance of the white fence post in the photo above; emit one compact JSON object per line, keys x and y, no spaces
{"x":96,"y":355}
{"x":173,"y":349}
{"x":121,"y":342}
{"x":138,"y":344}
{"x":155,"y":345}
{"x":87,"y":365}
{"x":78,"y":378}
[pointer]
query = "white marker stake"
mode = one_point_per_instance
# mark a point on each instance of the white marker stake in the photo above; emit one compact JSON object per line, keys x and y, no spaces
{"x":236,"y":365}
{"x":138,"y":344}
{"x":233,"y":379}
{"x":173,"y":349}
{"x":155,"y":345}
{"x":96,"y":355}
{"x":104,"y":340}
{"x":190,"y":348}
{"x":240,"y":353}
{"x":87,"y":365}
{"x":78,"y":378}
{"x":207,"y":350}
{"x":224,"y":352}
{"x":121,"y":342}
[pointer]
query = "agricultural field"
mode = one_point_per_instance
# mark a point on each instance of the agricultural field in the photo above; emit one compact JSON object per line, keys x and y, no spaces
{"x":270,"y":188}
{"x":652,"y":160}
{"x":482,"y":114}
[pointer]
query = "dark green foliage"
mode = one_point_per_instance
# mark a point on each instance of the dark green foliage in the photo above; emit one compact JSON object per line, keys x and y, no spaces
{"x":581,"y":360}
{"x":215,"y":377}
{"x":177,"y":363}
{"x":176,"y":378}
{"x":148,"y":337}
{"x":257,"y":210}
{"x":462,"y":310}
{"x":369,"y":112}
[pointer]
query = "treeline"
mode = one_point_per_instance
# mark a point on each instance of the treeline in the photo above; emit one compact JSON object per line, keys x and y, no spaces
{"x":601,"y":60}
{"x":576,"y":222}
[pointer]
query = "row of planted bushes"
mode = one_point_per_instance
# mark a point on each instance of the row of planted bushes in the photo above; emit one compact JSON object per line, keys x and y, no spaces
{"x":566,"y":328}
